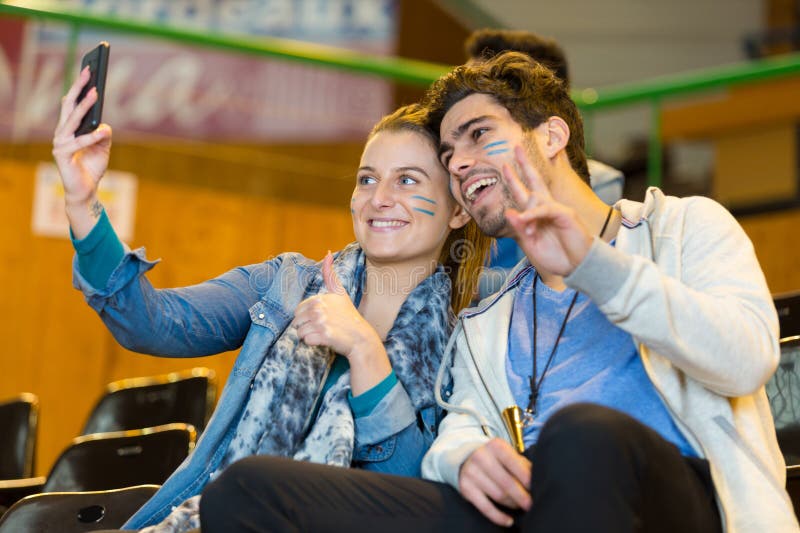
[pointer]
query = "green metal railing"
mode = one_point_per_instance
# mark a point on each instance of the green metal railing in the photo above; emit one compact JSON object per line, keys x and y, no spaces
{"x":652,"y":92}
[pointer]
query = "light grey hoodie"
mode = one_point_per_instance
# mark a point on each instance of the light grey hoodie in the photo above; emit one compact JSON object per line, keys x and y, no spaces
{"x":684,"y":281}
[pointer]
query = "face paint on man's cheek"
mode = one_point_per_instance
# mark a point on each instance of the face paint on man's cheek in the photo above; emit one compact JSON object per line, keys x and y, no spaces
{"x":496,"y":148}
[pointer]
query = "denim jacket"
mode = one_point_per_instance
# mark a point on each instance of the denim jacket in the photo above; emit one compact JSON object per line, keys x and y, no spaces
{"x":249,"y":307}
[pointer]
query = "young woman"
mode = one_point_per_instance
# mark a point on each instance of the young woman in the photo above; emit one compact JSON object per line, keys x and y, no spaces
{"x":338,"y":358}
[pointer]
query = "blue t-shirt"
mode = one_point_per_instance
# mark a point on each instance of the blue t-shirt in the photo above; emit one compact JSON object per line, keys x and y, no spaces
{"x":595,"y":362}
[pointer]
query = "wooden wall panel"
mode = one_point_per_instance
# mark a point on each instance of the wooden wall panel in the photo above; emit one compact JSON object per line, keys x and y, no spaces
{"x":740,"y":108}
{"x":320,"y":174}
{"x":55,"y":346}
{"x":774,"y":237}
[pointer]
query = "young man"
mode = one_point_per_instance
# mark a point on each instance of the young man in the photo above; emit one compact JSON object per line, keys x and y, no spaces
{"x":637,"y":338}
{"x":606,"y":182}
{"x":657,"y":310}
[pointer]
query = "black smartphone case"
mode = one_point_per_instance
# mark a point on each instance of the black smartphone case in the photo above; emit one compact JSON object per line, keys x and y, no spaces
{"x":97,"y":59}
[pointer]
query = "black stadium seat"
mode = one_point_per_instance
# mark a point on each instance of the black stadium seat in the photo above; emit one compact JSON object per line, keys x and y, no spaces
{"x":134,"y":403}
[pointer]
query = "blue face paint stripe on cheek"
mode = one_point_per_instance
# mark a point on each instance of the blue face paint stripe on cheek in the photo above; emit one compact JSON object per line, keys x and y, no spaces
{"x":496,"y":143}
{"x":423,"y":210}
{"x":429,"y":200}
{"x":495,"y":152}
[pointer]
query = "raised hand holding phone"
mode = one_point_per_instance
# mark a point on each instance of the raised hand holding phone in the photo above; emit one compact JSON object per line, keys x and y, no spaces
{"x":81,"y":159}
{"x":97,"y":61}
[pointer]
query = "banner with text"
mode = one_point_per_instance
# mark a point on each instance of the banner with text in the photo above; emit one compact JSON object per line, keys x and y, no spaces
{"x":157,"y":88}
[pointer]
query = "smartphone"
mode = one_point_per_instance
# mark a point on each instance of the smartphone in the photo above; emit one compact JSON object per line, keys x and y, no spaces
{"x":97,"y":59}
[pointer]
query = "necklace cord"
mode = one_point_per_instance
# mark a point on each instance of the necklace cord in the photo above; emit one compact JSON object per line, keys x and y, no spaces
{"x":608,"y":219}
{"x":534,"y":384}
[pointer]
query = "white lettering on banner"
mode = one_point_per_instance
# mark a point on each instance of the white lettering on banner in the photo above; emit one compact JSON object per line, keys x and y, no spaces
{"x":124,"y":75}
{"x":368,"y":13}
{"x":182,"y":13}
{"x":304,"y":19}
{"x":156,"y":87}
{"x":316,"y":19}
{"x":257,"y":17}
{"x":43,"y":90}
{"x":260,"y":103}
{"x":214,"y":98}
{"x":263,"y":101}
{"x":171,"y":93}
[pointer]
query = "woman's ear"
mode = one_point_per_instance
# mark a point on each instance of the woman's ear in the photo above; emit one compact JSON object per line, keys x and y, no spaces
{"x":557,"y":136}
{"x":459,"y":217}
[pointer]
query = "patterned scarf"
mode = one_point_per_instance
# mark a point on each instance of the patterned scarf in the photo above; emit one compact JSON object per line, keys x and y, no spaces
{"x":286,"y":388}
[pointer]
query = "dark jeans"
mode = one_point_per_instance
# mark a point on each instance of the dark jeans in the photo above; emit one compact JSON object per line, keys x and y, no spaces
{"x":594,"y":469}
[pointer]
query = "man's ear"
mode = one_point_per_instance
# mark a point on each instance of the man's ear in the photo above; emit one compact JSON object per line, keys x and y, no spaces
{"x":459,"y":218}
{"x":557,"y":136}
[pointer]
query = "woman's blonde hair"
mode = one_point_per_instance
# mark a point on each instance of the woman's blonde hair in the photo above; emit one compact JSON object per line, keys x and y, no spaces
{"x":466,"y":249}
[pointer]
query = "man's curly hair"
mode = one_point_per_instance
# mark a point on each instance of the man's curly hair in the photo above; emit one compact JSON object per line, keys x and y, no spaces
{"x":529,"y":90}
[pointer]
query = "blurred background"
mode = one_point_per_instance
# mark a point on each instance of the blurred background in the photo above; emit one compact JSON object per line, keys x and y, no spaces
{"x":231,"y":146}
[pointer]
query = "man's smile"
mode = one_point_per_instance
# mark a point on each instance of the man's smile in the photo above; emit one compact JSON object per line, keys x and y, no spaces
{"x":477,"y":187}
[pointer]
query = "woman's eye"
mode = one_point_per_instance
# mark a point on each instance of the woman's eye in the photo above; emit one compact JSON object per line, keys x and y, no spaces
{"x":366,"y":180}
{"x":407,"y":180}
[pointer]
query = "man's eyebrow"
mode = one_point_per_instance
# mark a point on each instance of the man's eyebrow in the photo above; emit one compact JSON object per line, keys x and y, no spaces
{"x":462,"y":128}
{"x":458,"y":132}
